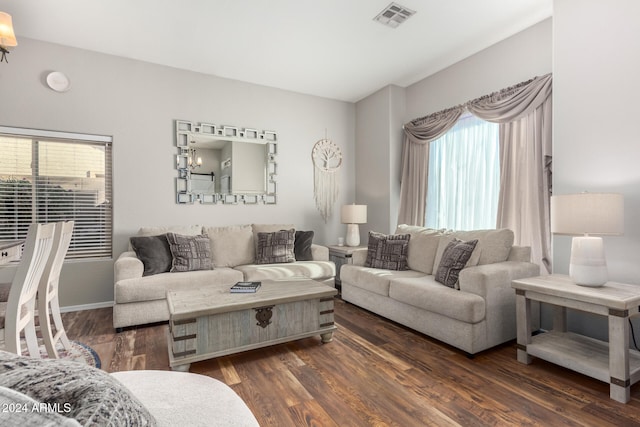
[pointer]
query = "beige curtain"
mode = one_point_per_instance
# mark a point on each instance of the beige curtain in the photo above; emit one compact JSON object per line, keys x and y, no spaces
{"x":524,"y":114}
{"x":415,"y":162}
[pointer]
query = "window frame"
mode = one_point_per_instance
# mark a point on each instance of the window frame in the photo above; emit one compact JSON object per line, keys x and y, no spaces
{"x":102,"y":244}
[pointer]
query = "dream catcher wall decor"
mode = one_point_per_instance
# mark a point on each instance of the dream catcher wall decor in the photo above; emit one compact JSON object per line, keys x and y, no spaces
{"x":327,"y":159}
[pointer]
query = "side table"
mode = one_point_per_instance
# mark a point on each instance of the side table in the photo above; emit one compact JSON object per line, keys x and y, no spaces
{"x":611,"y":362}
{"x":341,"y":255}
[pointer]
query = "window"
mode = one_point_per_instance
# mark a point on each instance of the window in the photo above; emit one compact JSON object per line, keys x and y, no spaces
{"x":464,"y":176}
{"x":53,"y":176}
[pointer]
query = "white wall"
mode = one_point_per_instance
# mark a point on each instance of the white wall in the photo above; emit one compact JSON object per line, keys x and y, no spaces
{"x":378,"y":140}
{"x":596,"y":47}
{"x":136,"y":103}
{"x":511,"y":61}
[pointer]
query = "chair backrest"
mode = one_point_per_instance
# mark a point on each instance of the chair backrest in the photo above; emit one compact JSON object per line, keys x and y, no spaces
{"x":20,"y":309}
{"x":61,"y":240}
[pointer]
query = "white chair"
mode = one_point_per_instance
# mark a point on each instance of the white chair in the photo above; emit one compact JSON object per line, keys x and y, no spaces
{"x":20,"y":309}
{"x":48,"y":305}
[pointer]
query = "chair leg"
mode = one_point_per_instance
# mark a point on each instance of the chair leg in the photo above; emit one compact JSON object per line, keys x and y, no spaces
{"x":54,"y":305}
{"x":45,"y":327}
{"x":30,"y":333}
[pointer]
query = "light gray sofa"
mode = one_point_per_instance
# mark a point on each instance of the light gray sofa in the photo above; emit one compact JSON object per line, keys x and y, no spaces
{"x":480,"y":315}
{"x":141,"y":299}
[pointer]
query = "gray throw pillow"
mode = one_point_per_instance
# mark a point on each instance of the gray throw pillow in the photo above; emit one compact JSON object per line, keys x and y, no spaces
{"x":388,"y":252}
{"x":302,"y":245}
{"x":454,"y":259}
{"x":189,"y":253}
{"x":276,"y":247}
{"x":154,"y":252}
{"x":86,"y":394}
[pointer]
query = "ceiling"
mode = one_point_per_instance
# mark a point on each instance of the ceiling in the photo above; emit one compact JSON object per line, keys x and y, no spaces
{"x":328,"y":48}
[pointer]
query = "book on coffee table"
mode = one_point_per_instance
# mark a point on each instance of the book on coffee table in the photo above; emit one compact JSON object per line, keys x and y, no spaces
{"x":245,"y":287}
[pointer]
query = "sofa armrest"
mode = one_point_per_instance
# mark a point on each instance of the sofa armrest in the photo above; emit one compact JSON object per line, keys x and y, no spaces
{"x":319,"y":252}
{"x":486,"y":279}
{"x":127,"y":266}
{"x":520,"y":253}
{"x":359,"y":257}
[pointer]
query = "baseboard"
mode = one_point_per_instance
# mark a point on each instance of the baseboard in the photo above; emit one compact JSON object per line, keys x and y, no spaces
{"x":86,"y":306}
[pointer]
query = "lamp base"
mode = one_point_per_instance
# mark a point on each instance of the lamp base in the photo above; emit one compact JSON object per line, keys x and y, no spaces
{"x":588,"y":266}
{"x":353,"y":235}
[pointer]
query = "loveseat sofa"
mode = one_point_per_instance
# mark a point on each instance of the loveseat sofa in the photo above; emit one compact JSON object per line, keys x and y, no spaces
{"x":237,"y":253}
{"x":475,"y":314}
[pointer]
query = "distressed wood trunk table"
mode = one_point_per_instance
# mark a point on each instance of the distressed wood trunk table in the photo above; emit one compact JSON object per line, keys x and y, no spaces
{"x":212,"y":322}
{"x":611,"y":362}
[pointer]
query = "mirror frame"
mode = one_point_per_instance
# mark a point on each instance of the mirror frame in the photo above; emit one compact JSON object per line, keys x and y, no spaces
{"x":185,"y":194}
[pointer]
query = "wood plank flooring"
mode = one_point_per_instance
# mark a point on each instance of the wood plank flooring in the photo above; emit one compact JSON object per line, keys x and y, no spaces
{"x":376,"y":373}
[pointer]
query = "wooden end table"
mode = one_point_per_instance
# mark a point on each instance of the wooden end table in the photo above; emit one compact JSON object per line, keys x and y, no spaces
{"x":341,"y":255}
{"x":612,"y":362}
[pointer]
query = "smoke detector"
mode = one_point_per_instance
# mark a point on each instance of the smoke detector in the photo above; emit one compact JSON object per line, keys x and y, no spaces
{"x":394,"y":15}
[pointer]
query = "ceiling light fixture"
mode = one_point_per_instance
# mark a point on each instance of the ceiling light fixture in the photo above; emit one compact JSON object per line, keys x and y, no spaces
{"x":394,"y":15}
{"x":7,"y":36}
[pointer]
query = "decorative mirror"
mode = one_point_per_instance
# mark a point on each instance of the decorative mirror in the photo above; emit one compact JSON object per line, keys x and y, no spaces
{"x":225,"y":164}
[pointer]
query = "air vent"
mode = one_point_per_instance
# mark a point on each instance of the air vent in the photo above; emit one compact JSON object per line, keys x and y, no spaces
{"x":394,"y":15}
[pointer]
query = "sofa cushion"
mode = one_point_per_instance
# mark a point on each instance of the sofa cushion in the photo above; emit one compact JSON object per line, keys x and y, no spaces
{"x":189,"y":253}
{"x":92,"y":396}
{"x":373,"y":279}
{"x":454,"y":259}
{"x":493,"y":245}
{"x":231,"y":245}
{"x":154,"y":252}
{"x":312,"y":269}
{"x":388,"y":251}
{"x":422,"y":246}
{"x":424,"y":292}
{"x":302,"y":245}
{"x":276,"y":247}
{"x":155,"y":287}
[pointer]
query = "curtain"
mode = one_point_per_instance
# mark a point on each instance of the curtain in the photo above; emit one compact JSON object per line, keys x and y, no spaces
{"x":524,"y":114}
{"x":464,"y":176}
{"x":415,"y":162}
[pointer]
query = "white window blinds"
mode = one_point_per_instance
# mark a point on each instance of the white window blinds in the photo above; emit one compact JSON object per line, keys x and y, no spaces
{"x":53,"y":176}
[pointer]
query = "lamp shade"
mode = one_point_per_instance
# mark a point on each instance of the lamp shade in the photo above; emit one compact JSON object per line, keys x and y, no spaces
{"x":353,"y":214}
{"x":587,"y":214}
{"x":7,"y":37}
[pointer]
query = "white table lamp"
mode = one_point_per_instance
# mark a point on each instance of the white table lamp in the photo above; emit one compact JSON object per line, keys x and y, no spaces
{"x":352,"y":215}
{"x":583,"y":215}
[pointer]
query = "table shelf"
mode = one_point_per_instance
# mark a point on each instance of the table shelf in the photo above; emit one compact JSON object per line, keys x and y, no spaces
{"x":579,"y":353}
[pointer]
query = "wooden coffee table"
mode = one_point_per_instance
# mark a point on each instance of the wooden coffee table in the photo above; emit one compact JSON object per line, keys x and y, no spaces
{"x":211,"y":322}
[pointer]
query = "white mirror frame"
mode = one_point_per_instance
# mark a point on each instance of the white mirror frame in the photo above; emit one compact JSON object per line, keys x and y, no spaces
{"x":184,"y":193}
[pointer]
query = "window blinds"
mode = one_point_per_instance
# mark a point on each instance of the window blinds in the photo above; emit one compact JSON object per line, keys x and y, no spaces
{"x":52,"y":176}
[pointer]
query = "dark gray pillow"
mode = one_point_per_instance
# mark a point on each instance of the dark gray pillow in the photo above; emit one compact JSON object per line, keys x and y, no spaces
{"x":154,"y":252}
{"x":388,"y":251}
{"x":190,"y":253}
{"x":84,"y":393}
{"x":302,"y":245}
{"x":276,"y":247}
{"x":454,"y":258}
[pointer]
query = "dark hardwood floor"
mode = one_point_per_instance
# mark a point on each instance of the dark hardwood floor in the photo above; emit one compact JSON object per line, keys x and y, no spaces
{"x":376,"y":373}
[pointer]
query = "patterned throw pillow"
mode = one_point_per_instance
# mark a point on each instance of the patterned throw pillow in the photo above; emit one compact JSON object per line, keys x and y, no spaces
{"x":454,"y":259}
{"x":276,"y":247}
{"x":302,"y":245}
{"x":388,"y":252}
{"x":189,"y":253}
{"x":154,"y":252}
